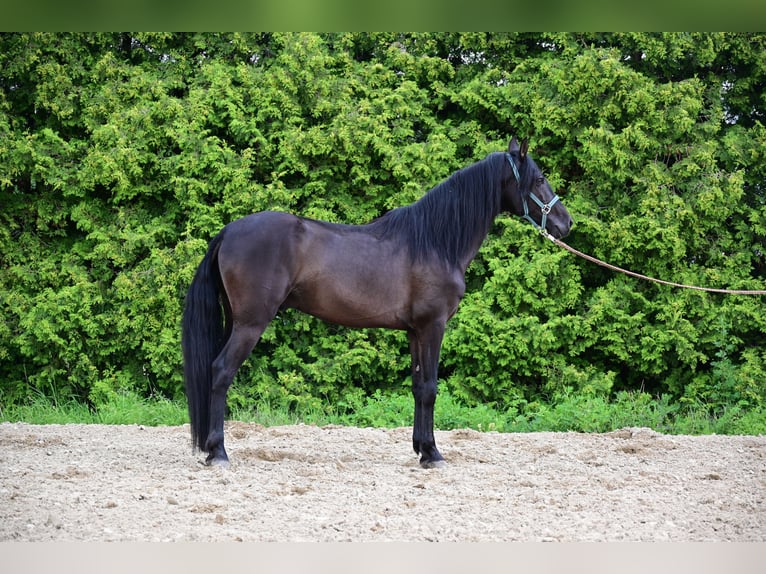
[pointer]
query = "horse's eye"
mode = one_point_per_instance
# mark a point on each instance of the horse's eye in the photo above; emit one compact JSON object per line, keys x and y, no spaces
{"x":541,"y":180}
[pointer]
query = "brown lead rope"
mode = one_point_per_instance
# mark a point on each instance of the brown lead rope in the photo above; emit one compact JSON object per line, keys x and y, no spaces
{"x":639,"y":276}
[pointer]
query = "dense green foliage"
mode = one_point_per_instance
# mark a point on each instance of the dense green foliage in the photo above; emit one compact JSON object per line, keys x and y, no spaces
{"x":121,"y":155}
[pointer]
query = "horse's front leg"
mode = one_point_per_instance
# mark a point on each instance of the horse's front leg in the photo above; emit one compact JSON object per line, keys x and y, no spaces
{"x":425,"y":345}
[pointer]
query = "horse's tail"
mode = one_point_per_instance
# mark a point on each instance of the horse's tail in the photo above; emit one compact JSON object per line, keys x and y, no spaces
{"x":202,"y":339}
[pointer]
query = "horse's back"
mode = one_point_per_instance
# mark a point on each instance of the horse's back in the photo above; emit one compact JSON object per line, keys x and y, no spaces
{"x":274,"y":237}
{"x":262,"y":222}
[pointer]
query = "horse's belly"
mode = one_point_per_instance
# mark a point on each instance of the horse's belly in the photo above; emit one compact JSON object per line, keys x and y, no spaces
{"x":353,"y":301}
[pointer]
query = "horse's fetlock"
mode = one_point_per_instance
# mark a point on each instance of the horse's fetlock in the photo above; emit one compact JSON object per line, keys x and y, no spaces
{"x":214,"y":439}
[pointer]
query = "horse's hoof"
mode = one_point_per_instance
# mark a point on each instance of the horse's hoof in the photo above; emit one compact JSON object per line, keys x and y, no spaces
{"x":219,"y":462}
{"x":433,"y":463}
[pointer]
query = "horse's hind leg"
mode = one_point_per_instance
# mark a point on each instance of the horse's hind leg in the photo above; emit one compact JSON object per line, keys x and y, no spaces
{"x":235,"y":351}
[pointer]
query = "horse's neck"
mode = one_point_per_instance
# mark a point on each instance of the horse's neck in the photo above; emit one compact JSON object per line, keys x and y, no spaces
{"x":471,"y":251}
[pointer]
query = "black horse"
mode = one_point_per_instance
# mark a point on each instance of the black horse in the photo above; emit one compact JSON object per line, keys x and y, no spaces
{"x":404,"y":270}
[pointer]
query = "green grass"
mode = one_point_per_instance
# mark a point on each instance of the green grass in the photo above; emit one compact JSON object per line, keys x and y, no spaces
{"x":571,"y":413}
{"x":122,"y":409}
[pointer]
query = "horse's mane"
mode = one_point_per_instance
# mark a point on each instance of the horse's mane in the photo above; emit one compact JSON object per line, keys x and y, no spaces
{"x":446,"y":221}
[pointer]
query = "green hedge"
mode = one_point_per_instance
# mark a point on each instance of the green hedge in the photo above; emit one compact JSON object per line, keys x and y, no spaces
{"x":121,"y":155}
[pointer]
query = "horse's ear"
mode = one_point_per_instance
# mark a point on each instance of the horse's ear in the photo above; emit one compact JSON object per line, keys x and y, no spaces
{"x":513,"y":145}
{"x":524,"y":148}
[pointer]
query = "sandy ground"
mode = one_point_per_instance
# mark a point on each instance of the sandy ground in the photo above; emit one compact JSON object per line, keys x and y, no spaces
{"x":306,"y":483}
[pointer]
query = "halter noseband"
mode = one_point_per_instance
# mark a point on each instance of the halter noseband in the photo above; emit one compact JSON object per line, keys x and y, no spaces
{"x":545,"y":208}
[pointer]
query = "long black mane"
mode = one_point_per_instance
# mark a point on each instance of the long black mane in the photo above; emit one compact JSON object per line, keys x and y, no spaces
{"x":447,"y":220}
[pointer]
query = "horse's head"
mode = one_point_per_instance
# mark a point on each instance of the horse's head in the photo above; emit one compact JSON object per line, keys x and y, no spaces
{"x":527,"y":193}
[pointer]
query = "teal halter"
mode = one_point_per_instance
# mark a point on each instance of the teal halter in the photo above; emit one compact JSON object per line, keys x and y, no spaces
{"x":545,"y":208}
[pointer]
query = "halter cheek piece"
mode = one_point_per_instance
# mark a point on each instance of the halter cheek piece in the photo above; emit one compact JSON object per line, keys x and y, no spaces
{"x":545,"y":208}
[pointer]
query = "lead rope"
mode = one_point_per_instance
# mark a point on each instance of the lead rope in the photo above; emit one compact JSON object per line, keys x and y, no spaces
{"x":639,"y":276}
